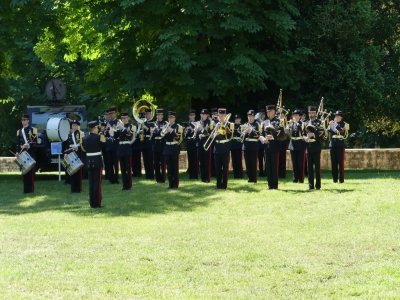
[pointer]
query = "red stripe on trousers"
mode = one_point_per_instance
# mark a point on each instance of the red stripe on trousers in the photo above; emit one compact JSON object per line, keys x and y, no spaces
{"x":99,"y":190}
{"x":209,"y":164}
{"x":177,"y":174}
{"x":227,"y":168}
{"x":342,"y":164}
{"x":130,"y":173}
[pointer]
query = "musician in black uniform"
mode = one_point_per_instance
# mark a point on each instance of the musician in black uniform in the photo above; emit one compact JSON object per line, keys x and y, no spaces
{"x":147,"y":147}
{"x":271,"y":131}
{"x":214,"y":118}
{"x":251,"y":134}
{"x":303,"y":118}
{"x":190,"y":136}
{"x":137,"y":151}
{"x":106,"y":147}
{"x":314,"y":134}
{"x":27,"y":137}
{"x":74,"y":142}
{"x":172,"y":134}
{"x":222,"y":145}
{"x":158,"y":147}
{"x":338,"y":131}
{"x":124,"y":134}
{"x":297,"y":146}
{"x":236,"y":149}
{"x":92,"y":145}
{"x":112,"y":145}
{"x":261,"y":153}
{"x":203,"y":132}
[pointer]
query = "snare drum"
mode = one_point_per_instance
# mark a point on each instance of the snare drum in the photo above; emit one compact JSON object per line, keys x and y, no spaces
{"x":25,"y":162}
{"x":57,"y":129}
{"x":72,"y":163}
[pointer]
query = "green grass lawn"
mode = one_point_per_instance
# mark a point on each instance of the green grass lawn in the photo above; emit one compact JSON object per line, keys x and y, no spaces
{"x":198,"y":242}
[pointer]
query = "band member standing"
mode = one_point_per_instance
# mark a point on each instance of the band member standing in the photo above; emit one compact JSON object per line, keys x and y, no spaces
{"x":261,"y":153}
{"x":214,"y":118}
{"x":92,"y":145}
{"x":190,"y":137}
{"x":271,"y":131}
{"x":303,"y":118}
{"x":107,"y":146}
{"x":27,"y":137}
{"x":158,"y":147}
{"x":223,"y":135}
{"x":124,"y":134}
{"x":112,"y":145}
{"x":137,"y":151}
{"x":147,"y":147}
{"x":206,"y":127}
{"x":338,"y":131}
{"x":251,"y":137}
{"x":297,"y":146}
{"x":172,"y":134}
{"x":74,"y":143}
{"x":314,"y":134}
{"x":236,"y":149}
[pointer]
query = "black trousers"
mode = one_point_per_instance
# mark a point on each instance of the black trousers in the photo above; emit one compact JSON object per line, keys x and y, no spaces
{"x":193,"y":164}
{"x":237,"y":163}
{"x":113,"y":164}
{"x":261,"y":162}
{"x":212,"y":163}
{"x":298,"y":163}
{"x":95,"y":195}
{"x":250,"y":157}
{"x":148,"y":162}
{"x":221,"y":169}
{"x":337,"y":160}
{"x":172,"y":161}
{"x":159,"y":166}
{"x":76,"y":181}
{"x":107,"y":164}
{"x":136,"y":163}
{"x":125,"y":163}
{"x":29,"y":181}
{"x":205,"y":164}
{"x":314,"y":165}
{"x":282,"y":163}
{"x":271,"y":163}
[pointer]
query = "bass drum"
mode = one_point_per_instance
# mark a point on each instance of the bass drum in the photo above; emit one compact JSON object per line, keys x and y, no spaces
{"x":57,"y":129}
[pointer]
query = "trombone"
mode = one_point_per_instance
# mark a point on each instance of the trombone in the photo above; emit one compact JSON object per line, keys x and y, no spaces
{"x":213,"y":134}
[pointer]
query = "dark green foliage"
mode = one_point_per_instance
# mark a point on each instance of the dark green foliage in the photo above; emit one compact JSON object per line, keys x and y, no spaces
{"x":205,"y":53}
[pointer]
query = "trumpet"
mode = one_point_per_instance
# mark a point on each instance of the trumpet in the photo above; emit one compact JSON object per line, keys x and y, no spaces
{"x":245,"y":129}
{"x":197,"y":127}
{"x":164,"y":129}
{"x":214,"y":133}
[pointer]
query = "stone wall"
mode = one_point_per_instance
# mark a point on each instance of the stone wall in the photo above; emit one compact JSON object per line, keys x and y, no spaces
{"x":384,"y":159}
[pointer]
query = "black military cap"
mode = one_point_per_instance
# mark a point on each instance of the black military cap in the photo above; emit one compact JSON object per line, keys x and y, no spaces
{"x":75,"y":122}
{"x":112,"y":109}
{"x":222,"y":111}
{"x":192,"y":111}
{"x":25,"y":117}
{"x":147,"y":110}
{"x":205,"y":111}
{"x":339,"y":113}
{"x":171,"y":114}
{"x":297,"y":112}
{"x":238,"y":116}
{"x":312,"y":108}
{"x":270,"y":107}
{"x":251,"y":112}
{"x":93,"y":124}
{"x":124,"y":114}
{"x":160,"y":110}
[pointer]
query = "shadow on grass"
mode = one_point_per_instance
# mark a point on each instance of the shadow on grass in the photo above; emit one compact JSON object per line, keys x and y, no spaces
{"x":146,"y":197}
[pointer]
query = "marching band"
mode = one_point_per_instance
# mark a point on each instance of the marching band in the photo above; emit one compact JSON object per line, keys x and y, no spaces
{"x":115,"y":143}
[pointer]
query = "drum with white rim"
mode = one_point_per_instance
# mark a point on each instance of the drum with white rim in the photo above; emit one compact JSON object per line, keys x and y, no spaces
{"x":72,"y":163}
{"x":57,"y":129}
{"x":25,"y":162}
